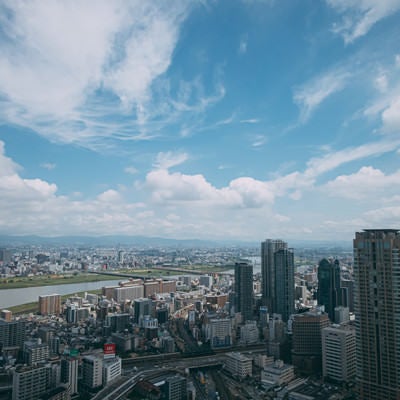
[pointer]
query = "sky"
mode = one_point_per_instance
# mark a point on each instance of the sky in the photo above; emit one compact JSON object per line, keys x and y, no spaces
{"x":230,"y":119}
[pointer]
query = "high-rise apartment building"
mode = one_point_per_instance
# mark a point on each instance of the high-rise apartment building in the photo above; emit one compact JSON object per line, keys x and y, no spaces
{"x":69,"y":373}
{"x":30,"y":382}
{"x":244,"y":290}
{"x":92,"y":372}
{"x":329,"y":292}
{"x":50,"y":304}
{"x":277,"y":269}
{"x":377,"y":311}
{"x":12,"y":333}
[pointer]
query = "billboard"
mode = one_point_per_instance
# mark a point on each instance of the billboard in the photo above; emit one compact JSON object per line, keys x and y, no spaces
{"x":109,"y":350}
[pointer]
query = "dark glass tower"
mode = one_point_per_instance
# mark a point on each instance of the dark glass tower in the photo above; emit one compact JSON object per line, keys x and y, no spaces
{"x":244,"y":290}
{"x":329,"y":292}
{"x":277,"y":269}
{"x":377,"y":310}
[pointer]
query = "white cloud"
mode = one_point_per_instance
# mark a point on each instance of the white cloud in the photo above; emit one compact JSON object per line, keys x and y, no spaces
{"x":363,"y":184}
{"x":259,"y":140}
{"x":320,"y":165}
{"x":250,"y":121}
{"x":243,"y":46}
{"x":311,"y":94}
{"x":391,"y":117}
{"x":93,"y":75}
{"x":170,"y":159}
{"x":48,"y":166}
{"x":359,"y":16}
{"x":109,"y":196}
{"x":131,"y":170}
{"x":381,"y":83}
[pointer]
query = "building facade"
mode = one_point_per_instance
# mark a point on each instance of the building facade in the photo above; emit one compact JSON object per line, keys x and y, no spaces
{"x":50,"y":304}
{"x":377,"y":312}
{"x":277,"y":269}
{"x":244,"y":290}
{"x":307,"y":341}
{"x":339,"y":352}
{"x":329,"y":292}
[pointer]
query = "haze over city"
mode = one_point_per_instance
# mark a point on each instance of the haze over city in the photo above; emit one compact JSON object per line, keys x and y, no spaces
{"x":203,"y":119}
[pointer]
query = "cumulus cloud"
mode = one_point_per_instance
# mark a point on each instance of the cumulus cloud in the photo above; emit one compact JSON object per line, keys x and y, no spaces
{"x":359,"y":16}
{"x":363,"y":183}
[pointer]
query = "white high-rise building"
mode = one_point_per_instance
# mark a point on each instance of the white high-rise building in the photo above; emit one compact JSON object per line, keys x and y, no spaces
{"x":69,"y":373}
{"x":111,"y":369}
{"x":30,"y":382}
{"x":339,"y":352}
{"x":92,"y":371}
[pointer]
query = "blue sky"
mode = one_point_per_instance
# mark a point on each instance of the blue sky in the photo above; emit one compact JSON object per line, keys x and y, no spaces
{"x":204,"y":119}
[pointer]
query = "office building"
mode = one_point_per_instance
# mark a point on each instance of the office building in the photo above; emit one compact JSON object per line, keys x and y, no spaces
{"x":244,"y":290}
{"x":249,"y":333}
{"x":307,"y":341}
{"x":29,"y":383}
{"x":142,"y":307}
{"x":50,"y":304}
{"x":92,"y":372}
{"x":69,"y":373}
{"x":342,"y":315}
{"x":220,"y":332}
{"x":239,"y":365}
{"x":175,"y":388}
{"x":339,"y":352}
{"x":112,"y":369}
{"x":277,"y":270}
{"x":277,"y":374}
{"x":329,"y":292}
{"x":206,"y":280}
{"x":377,"y":313}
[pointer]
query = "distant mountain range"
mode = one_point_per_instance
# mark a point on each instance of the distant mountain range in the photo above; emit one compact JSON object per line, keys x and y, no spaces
{"x":119,"y":240}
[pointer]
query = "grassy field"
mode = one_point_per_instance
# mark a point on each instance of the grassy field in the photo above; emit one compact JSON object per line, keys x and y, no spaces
{"x":49,"y":280}
{"x":34,"y":306}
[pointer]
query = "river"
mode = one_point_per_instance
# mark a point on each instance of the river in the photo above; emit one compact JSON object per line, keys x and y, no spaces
{"x":15,"y":297}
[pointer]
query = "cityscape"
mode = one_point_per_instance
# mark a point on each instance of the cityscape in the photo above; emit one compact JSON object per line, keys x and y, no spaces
{"x":203,"y":323}
{"x":199,"y":199}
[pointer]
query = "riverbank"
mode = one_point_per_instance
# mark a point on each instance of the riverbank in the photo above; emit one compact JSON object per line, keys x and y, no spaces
{"x":50,"y":280}
{"x":21,"y":282}
{"x":34,"y":306}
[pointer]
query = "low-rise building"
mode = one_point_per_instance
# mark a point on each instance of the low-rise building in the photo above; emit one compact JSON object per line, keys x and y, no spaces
{"x":277,"y":374}
{"x":239,"y":365}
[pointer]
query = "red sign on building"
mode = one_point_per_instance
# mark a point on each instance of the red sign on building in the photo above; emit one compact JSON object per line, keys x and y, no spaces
{"x":109,"y":350}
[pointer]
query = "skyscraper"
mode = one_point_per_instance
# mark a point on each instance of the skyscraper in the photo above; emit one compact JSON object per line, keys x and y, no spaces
{"x":277,"y":269}
{"x":329,"y":292}
{"x":377,"y":310}
{"x":244,"y":290}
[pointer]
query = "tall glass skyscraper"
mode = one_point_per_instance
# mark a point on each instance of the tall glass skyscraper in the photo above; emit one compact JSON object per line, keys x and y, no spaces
{"x":329,"y":292}
{"x":377,"y":310}
{"x":277,"y":269}
{"x":244,"y":290}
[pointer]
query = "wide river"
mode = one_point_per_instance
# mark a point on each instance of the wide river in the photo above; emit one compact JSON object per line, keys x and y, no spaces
{"x":15,"y":297}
